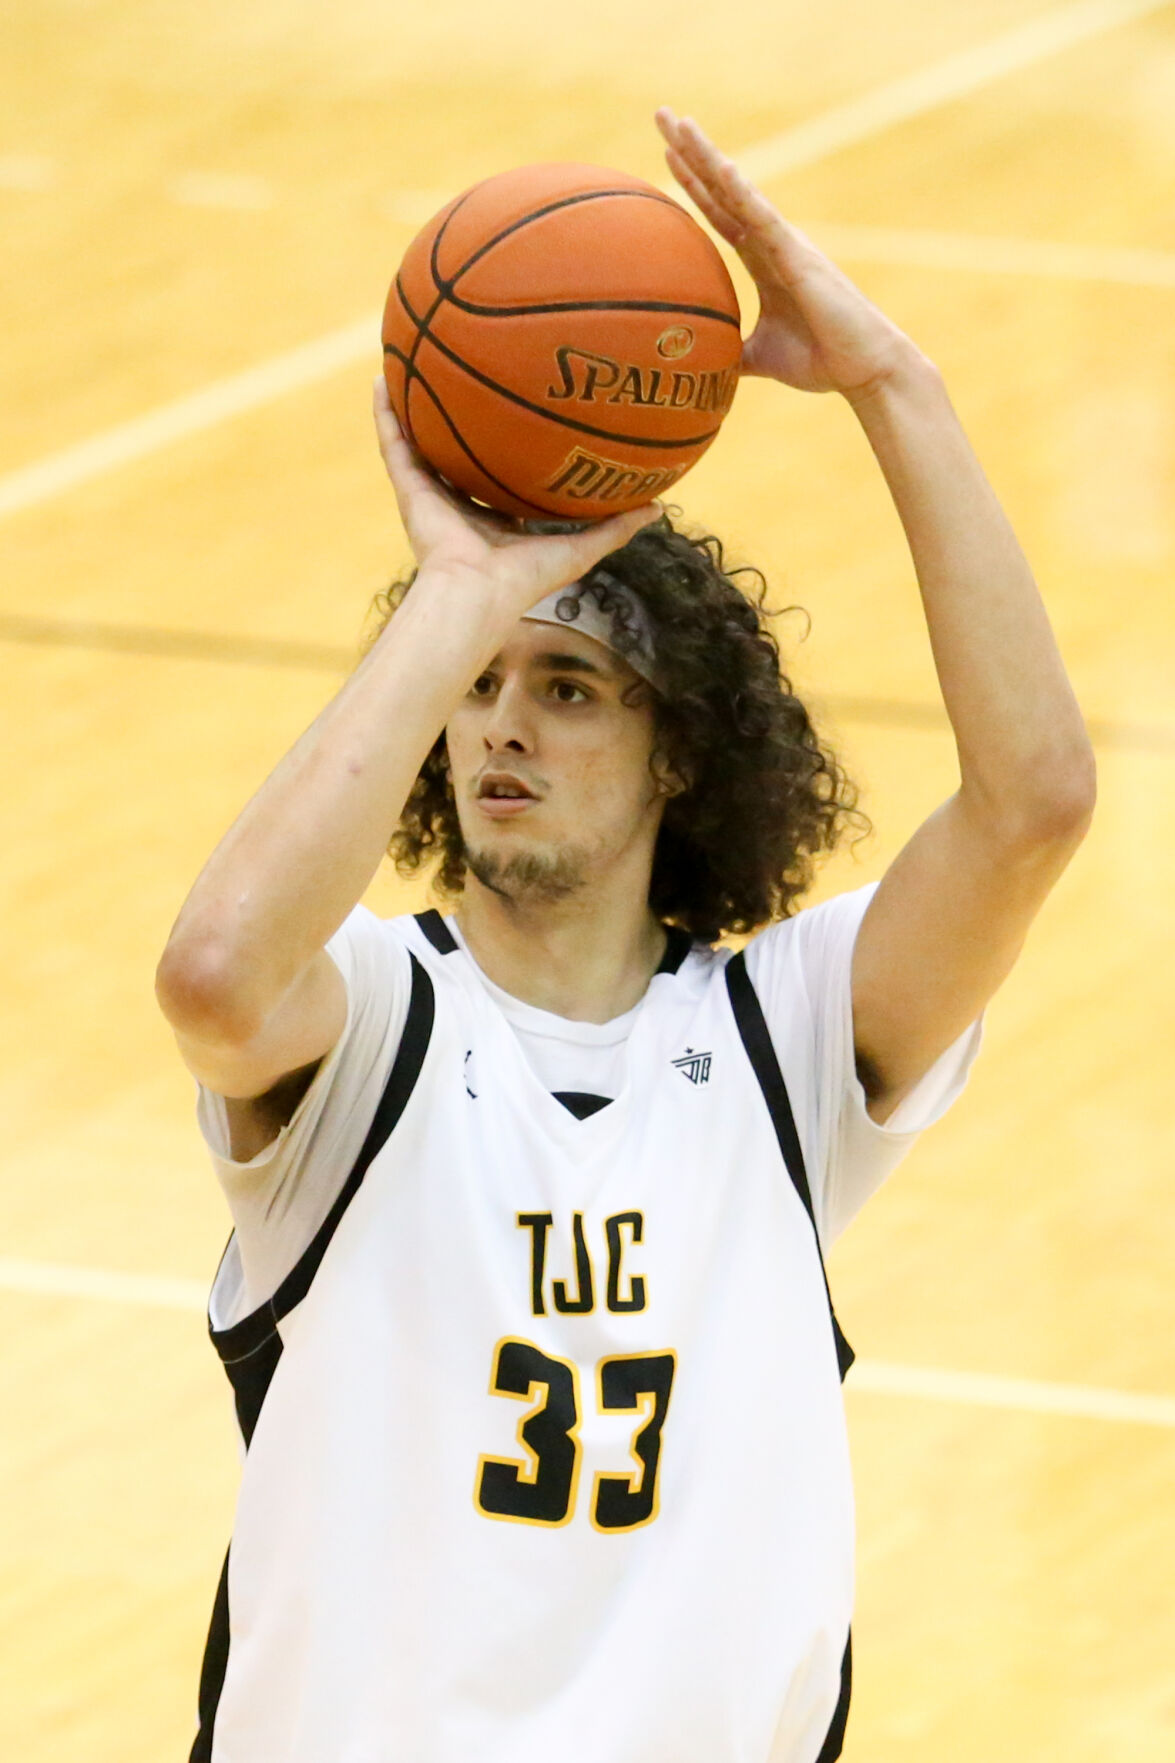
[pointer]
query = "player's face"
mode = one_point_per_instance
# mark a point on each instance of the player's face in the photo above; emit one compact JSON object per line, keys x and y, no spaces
{"x":550,"y":765}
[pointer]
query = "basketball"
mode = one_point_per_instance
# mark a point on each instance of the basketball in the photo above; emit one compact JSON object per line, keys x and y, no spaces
{"x":562,"y":340}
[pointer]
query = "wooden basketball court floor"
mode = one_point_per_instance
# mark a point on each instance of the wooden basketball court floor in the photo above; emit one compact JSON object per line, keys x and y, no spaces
{"x":201,"y":207}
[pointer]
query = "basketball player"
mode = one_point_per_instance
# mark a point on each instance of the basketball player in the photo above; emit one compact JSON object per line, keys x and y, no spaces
{"x":524,"y":1308}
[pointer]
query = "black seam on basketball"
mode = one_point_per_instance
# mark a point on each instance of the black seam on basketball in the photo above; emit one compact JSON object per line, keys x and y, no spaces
{"x":444,"y":290}
{"x":422,"y":327}
{"x":409,"y":370}
{"x":525,"y":403}
{"x":414,"y":376}
{"x":567,"y":422}
{"x":537,"y":214}
{"x":591,"y":306}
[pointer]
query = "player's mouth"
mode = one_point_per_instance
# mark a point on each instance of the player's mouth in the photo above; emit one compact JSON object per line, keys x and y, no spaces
{"x":500,"y":795}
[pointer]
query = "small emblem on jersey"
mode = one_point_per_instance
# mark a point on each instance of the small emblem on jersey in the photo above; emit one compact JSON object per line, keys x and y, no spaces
{"x":695,"y":1066}
{"x":469,"y":1080}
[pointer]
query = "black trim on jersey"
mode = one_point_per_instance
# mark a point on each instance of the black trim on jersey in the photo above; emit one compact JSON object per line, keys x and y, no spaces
{"x":677,"y":947}
{"x":581,"y":1103}
{"x":212,"y":1671}
{"x":437,"y":932}
{"x":760,"y":1050}
{"x":250,"y":1349}
{"x":834,"y":1740}
{"x":251,"y":1375}
{"x":756,"y":1038}
{"x":678,"y":942}
{"x":246,"y":1337}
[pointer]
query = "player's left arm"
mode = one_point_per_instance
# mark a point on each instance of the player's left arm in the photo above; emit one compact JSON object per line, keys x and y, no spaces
{"x":952,"y":911}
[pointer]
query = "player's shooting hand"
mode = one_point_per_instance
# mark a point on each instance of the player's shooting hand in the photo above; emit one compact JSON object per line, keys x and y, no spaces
{"x":816,"y":330}
{"x":455,"y":537}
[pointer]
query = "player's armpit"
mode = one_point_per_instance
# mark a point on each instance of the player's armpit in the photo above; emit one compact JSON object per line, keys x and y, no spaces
{"x":941,"y":934}
{"x":254,"y":1124}
{"x":254,"y":1071}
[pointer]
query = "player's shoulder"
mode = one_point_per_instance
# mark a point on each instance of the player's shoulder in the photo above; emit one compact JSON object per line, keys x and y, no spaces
{"x":391,"y":950}
{"x":365,"y":930}
{"x":373,"y":953}
{"x":808,"y":941}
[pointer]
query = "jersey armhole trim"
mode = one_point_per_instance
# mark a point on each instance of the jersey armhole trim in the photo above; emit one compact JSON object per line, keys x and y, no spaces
{"x":244,"y":1338}
{"x":760,"y":1049}
{"x":437,"y":932}
{"x":834,"y":1742}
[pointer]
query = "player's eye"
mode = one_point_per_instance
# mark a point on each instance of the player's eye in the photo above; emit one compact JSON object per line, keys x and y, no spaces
{"x":482,"y":686}
{"x":568,"y":692}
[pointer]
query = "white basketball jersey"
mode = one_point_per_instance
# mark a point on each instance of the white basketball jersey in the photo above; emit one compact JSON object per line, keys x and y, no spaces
{"x":546,"y":1450}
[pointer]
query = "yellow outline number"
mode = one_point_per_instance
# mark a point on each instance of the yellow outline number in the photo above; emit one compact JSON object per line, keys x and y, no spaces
{"x":637,"y":1383}
{"x":540,"y":1488}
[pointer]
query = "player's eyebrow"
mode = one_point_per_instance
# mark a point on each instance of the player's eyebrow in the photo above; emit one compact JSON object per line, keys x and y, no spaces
{"x":560,"y":663}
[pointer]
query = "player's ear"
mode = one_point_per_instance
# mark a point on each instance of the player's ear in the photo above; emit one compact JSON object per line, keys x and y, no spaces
{"x":670,"y":779}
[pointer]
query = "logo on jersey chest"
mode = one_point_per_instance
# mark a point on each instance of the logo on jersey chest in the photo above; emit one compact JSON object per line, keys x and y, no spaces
{"x":695,"y":1066}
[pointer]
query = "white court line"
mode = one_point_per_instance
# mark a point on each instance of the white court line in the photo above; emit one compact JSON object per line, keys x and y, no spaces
{"x":845,"y":125}
{"x":991,"y":255}
{"x":955,"y":77}
{"x":1073,"y":1400}
{"x":234,"y":396}
{"x":51,"y":1279}
{"x":48,"y":1279}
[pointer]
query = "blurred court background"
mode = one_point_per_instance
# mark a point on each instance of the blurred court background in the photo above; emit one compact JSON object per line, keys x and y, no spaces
{"x":201,"y":206}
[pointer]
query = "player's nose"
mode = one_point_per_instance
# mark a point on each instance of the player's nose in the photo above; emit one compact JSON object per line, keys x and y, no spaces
{"x":510,"y":726}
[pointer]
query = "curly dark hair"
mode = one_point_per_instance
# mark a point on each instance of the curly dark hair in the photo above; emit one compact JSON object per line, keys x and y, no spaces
{"x":764,"y":796}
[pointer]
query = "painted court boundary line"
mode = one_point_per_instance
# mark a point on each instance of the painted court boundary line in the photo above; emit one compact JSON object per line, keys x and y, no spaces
{"x":47,"y":1279}
{"x":845,"y":125}
{"x":226,"y":648}
{"x":990,"y":254}
{"x":957,"y":76}
{"x":205,"y":409}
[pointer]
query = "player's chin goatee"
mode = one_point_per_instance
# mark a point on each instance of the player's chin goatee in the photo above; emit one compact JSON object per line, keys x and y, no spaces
{"x":528,"y":875}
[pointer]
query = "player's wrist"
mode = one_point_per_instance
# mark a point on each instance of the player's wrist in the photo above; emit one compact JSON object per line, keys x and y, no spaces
{"x":452,"y":619}
{"x":910,"y":383}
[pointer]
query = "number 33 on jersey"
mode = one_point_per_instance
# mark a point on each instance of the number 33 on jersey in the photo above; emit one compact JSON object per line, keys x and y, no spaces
{"x":542,"y":1486}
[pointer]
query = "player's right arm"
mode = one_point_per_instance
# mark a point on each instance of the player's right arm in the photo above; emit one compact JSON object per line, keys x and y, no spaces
{"x":245,"y":980}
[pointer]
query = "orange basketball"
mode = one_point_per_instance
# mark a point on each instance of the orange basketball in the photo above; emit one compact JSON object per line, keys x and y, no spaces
{"x":562,"y":340}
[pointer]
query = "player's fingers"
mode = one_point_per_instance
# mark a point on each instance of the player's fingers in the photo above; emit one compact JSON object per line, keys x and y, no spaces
{"x":423,"y":501}
{"x":736,"y":210}
{"x":408,"y":473}
{"x":669,"y":126}
{"x":726,"y":184}
{"x":392,"y":444}
{"x":700,"y":153}
{"x":666,"y":121}
{"x":719,"y":216}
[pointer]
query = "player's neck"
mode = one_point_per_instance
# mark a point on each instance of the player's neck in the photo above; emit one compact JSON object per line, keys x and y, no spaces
{"x":588,"y":958}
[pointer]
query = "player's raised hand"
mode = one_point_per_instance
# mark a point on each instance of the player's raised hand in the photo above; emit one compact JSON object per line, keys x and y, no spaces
{"x":456,"y":537}
{"x":816,"y":330}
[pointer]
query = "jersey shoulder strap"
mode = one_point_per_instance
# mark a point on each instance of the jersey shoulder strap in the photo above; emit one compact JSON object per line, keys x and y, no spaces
{"x":437,"y":931}
{"x":250,"y":1349}
{"x":760,"y":1050}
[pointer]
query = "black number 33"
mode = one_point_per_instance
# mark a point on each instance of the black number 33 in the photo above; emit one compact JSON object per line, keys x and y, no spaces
{"x":540,"y":1488}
